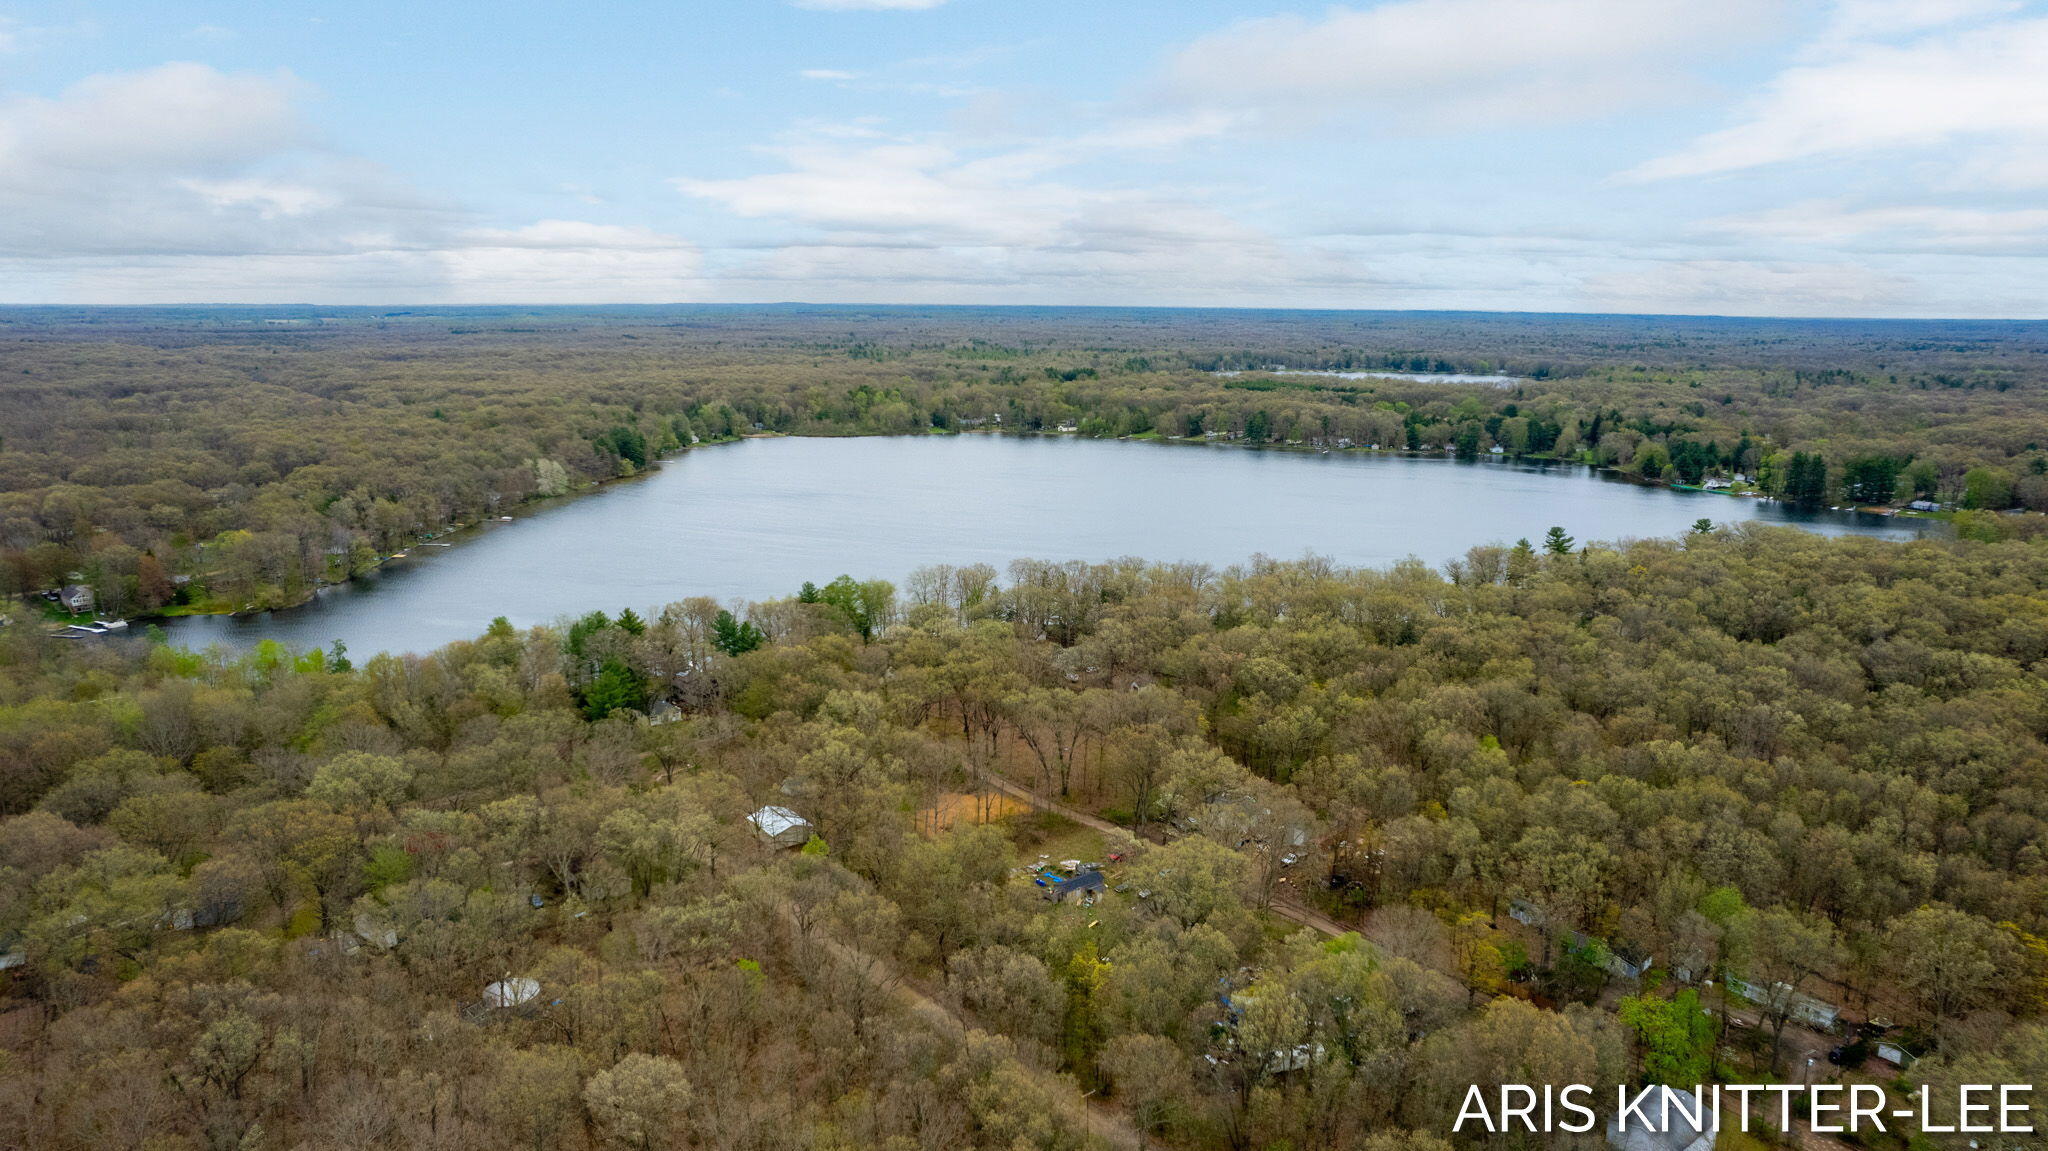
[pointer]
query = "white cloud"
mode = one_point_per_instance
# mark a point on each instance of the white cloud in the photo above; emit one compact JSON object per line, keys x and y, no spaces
{"x":482,"y":273}
{"x":1751,"y":288}
{"x":1984,"y":88}
{"x":176,"y":114}
{"x":271,"y":199}
{"x":900,"y":187}
{"x":1450,"y":64}
{"x":868,"y":5}
{"x":920,"y":219}
{"x":568,"y":261}
{"x":576,"y":235}
{"x":183,"y":182}
{"x":827,"y":74}
{"x":1860,"y":19}
{"x":1900,"y":228}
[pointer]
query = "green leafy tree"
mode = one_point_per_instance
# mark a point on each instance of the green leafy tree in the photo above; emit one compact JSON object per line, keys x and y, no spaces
{"x":616,"y":687}
{"x":1674,"y":1037}
{"x":1987,"y":489}
{"x":1871,"y":479}
{"x":865,"y":606}
{"x":358,"y":782}
{"x":1806,"y":479}
{"x":734,"y":637}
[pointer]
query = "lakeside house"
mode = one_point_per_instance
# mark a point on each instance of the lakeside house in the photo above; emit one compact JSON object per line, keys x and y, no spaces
{"x":75,"y":598}
{"x":1923,"y":506}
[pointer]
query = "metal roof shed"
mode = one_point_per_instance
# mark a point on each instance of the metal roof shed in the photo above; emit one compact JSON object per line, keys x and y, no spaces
{"x":781,"y":826}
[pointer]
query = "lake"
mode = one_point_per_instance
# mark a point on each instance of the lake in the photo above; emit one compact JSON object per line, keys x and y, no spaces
{"x":755,"y":519}
{"x":1418,"y":377}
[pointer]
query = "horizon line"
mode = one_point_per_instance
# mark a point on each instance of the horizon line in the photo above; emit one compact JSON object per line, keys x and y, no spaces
{"x":399,"y":308}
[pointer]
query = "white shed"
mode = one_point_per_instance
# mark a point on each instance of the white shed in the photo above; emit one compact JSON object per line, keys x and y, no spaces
{"x":781,"y":826}
{"x":512,"y":992}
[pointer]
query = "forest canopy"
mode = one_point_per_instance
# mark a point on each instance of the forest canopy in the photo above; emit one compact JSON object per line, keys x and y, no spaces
{"x":1372,"y":836}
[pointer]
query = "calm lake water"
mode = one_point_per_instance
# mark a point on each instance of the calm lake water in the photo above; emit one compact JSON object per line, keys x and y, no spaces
{"x":754,"y":520}
{"x":1418,"y":377}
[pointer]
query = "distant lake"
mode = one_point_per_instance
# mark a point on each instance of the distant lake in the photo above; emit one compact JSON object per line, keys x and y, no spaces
{"x":755,"y":519}
{"x":1418,"y":377}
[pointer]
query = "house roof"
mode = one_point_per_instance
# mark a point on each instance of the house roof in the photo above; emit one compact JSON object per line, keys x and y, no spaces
{"x":1086,"y":881}
{"x":511,"y":992}
{"x":773,"y":820}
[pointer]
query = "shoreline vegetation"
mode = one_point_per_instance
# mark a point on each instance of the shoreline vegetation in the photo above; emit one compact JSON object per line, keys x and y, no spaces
{"x":1674,"y":811}
{"x":205,"y":460}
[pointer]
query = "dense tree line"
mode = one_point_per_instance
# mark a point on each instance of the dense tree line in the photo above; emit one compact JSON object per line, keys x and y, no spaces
{"x":188,"y":459}
{"x":258,"y":901}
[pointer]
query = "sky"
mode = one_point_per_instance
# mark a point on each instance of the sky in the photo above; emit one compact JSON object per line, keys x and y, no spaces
{"x":1731,"y":157}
